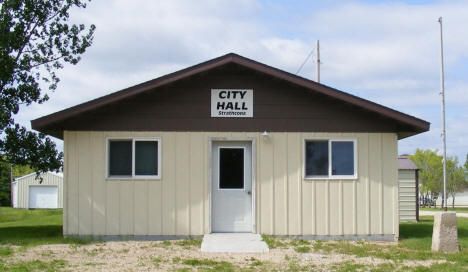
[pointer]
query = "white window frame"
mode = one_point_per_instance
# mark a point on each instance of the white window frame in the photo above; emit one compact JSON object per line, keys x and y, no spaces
{"x":133,"y":140}
{"x":330,"y":176}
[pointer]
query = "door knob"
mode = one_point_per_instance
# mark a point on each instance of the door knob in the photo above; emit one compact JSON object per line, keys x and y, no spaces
{"x":249,"y":192}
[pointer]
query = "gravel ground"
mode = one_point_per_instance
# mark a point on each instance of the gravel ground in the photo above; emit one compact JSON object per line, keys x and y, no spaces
{"x":177,"y":255}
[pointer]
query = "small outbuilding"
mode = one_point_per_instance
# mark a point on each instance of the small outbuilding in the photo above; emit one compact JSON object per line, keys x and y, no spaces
{"x":231,"y":145}
{"x":408,"y":184}
{"x":29,"y":193}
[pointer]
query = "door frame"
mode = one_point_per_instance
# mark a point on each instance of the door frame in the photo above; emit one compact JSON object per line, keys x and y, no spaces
{"x":252,"y":141}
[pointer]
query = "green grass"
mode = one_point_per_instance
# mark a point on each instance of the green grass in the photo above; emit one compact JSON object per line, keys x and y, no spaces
{"x":14,"y":217}
{"x":415,"y":244}
{"x":189,"y":242}
{"x":273,"y":242}
{"x":5,"y":251}
{"x":210,"y":265}
{"x":302,"y":249}
{"x":36,"y":265}
{"x":462,"y":210}
{"x":33,"y":227}
{"x":200,"y":262}
{"x":157,"y":261}
{"x":419,"y":235}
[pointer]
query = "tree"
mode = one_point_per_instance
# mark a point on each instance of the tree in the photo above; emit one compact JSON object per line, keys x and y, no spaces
{"x":5,"y":186}
{"x":21,"y":170}
{"x":36,"y":40}
{"x":5,"y":180}
{"x":430,"y":171}
{"x":466,"y":163}
{"x":455,"y":178}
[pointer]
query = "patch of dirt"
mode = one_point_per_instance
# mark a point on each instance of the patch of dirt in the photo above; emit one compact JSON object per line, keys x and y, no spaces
{"x":167,"y":256}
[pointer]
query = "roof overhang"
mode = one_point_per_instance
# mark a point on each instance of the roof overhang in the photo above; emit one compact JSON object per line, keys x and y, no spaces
{"x":48,"y":124}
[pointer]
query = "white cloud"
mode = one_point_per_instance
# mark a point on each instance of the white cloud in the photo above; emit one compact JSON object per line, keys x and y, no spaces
{"x":388,"y":53}
{"x":381,"y":41}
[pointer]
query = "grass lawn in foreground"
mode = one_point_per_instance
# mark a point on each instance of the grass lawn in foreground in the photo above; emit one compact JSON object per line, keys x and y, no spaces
{"x":439,"y":209}
{"x":32,"y":227}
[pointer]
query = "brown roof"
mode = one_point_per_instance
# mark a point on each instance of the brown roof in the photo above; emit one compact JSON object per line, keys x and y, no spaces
{"x":45,"y":123}
{"x":405,"y":163}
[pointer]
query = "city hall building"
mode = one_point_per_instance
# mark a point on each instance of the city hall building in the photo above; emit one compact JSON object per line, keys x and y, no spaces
{"x":231,"y":145}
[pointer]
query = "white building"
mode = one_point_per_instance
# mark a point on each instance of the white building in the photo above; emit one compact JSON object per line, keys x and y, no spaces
{"x":29,"y":193}
{"x":231,"y":145}
{"x":461,"y":199}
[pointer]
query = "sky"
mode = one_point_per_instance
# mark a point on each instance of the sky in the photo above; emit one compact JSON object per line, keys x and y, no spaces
{"x":384,"y":51}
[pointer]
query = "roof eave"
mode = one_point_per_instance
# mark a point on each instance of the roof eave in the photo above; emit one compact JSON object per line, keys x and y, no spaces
{"x":45,"y":123}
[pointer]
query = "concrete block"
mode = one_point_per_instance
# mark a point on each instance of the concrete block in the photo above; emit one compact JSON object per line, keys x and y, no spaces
{"x":445,"y":233}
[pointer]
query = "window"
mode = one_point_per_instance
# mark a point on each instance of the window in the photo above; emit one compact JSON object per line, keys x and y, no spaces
{"x":231,"y":168}
{"x":120,"y":158}
{"x":317,"y":158}
{"x":330,"y":159}
{"x":134,"y":158}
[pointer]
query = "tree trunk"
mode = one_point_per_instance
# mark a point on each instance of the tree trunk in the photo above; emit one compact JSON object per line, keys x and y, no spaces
{"x":453,"y":201}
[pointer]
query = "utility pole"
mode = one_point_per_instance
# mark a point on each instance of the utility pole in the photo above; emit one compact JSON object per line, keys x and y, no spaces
{"x":317,"y":63}
{"x":442,"y":94}
{"x":11,"y":184}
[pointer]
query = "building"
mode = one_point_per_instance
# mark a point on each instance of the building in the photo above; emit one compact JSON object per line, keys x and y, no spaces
{"x":231,"y":145}
{"x":408,"y":189}
{"x":461,"y":199}
{"x":28,"y":192}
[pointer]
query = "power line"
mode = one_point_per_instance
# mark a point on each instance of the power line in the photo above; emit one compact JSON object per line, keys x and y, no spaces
{"x":303,"y":63}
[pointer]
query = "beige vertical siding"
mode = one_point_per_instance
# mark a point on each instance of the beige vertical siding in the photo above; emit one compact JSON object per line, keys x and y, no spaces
{"x":179,"y":202}
{"x":48,"y":179}
{"x":407,"y":194}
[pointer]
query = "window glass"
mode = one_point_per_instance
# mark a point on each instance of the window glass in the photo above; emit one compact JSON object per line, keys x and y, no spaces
{"x":342,"y":158}
{"x":120,"y":158}
{"x":231,"y":168}
{"x":316,"y":158}
{"x":146,"y":158}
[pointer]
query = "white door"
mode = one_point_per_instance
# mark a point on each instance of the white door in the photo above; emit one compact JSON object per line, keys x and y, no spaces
{"x":43,"y":197}
{"x":231,"y":204}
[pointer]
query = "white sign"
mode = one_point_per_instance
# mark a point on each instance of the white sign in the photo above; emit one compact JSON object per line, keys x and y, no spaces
{"x":231,"y":103}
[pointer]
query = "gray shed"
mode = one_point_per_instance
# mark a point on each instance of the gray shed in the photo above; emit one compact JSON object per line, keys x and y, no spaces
{"x":407,"y":189}
{"x":29,"y":193}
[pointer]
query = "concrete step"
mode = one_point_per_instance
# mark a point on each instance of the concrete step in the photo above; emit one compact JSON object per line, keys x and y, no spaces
{"x":234,"y":243}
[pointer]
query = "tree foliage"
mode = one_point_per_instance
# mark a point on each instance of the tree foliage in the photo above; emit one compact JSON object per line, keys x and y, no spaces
{"x":455,"y":178}
{"x":36,"y":40}
{"x":431,"y":173}
{"x":5,"y":184}
{"x":430,"y":170}
{"x":5,"y":179}
{"x":466,"y":163}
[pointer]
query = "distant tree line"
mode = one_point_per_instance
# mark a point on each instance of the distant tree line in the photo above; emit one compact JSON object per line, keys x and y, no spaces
{"x":5,"y":180}
{"x":430,"y":166}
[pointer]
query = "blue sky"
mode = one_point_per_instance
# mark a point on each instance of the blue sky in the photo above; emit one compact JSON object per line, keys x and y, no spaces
{"x":384,"y":51}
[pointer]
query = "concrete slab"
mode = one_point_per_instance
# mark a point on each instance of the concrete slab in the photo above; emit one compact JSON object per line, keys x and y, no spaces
{"x":234,"y":243}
